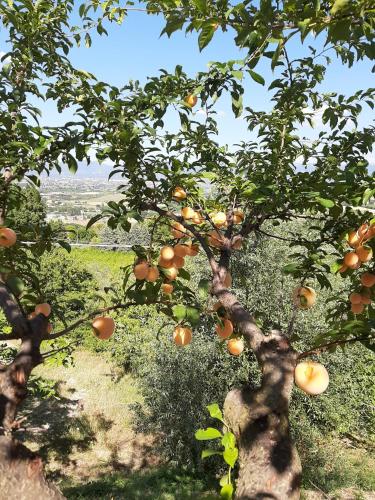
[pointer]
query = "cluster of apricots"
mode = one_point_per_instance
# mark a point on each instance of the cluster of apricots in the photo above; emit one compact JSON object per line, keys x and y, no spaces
{"x":7,"y":237}
{"x":217,"y":218}
{"x":360,"y":253}
{"x":224,"y":329}
{"x":45,"y":309}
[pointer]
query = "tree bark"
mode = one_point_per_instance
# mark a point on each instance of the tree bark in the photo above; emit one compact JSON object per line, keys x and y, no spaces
{"x":21,"y":471}
{"x":269,"y":465}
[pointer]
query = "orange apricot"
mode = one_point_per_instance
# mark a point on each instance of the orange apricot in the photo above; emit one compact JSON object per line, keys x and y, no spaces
{"x":368,"y":280}
{"x":364,"y":253}
{"x":140,"y":270}
{"x":226,"y":330}
{"x":178,"y":230}
{"x":43,"y":308}
{"x":235,"y":346}
{"x":351,"y":260}
{"x":215,"y":239}
{"x":363,"y":230}
{"x":355,"y":298}
{"x":167,"y":288}
{"x":171,"y":273}
{"x":357,"y":308}
{"x":182,"y":335}
{"x":238,"y":216}
{"x":187,"y":213}
{"x":103,"y":327}
{"x":191,"y":100}
{"x":152,"y":274}
{"x":179,"y":193}
{"x":366,"y":300}
{"x":304,"y":297}
{"x":165,"y":263}
{"x":180,"y":250}
{"x":178,"y":262}
{"x":7,"y":237}
{"x":311,"y":377}
{"x":167,"y":253}
{"x":354,"y":239}
{"x":197,"y":218}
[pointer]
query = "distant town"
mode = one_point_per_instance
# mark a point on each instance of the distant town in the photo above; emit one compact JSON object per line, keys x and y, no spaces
{"x":75,"y":200}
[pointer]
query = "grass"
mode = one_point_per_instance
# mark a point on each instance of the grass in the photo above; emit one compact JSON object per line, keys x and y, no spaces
{"x":101,"y":262}
{"x":85,"y":436}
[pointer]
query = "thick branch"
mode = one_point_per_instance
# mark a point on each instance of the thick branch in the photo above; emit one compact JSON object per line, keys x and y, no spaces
{"x":12,"y":313}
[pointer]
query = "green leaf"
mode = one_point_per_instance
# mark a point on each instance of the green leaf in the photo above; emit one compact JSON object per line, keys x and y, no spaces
{"x":15,"y":285}
{"x":65,"y":245}
{"x":290,"y":268}
{"x":179,"y":312}
{"x":192,"y":315}
{"x":224,"y":480}
{"x":203,"y":288}
{"x":94,"y":219}
{"x":205,"y":36}
{"x":210,"y":453}
{"x":183,"y":274}
{"x":339,"y":5}
{"x":226,"y":492}
{"x":230,"y":456}
{"x":257,"y":77}
{"x":325,"y":203}
{"x":209,"y":433}
{"x":229,"y":440}
{"x":215,"y":411}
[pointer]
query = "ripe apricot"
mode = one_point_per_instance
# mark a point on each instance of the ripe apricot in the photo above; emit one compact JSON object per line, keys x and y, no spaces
{"x":354,"y":239}
{"x":351,"y":260}
{"x":357,"y":308}
{"x":179,"y":193}
{"x":197,"y":218}
{"x":178,"y":230}
{"x":103,"y":327}
{"x":152,"y":274}
{"x":180,"y":250}
{"x":235,"y":346}
{"x":355,"y":298}
{"x":368,"y":280}
{"x":171,"y":273}
{"x":167,"y":253}
{"x":192,"y":250}
{"x":226,"y":330}
{"x":370,"y":233}
{"x":219,"y":219}
{"x":311,"y":377}
{"x":43,"y":308}
{"x":304,"y":297}
{"x":187,"y":213}
{"x":140,"y":270}
{"x":182,"y":335}
{"x":178,"y":262}
{"x":366,"y":300}
{"x":363,"y":230}
{"x":191,"y":100}
{"x":7,"y":237}
{"x":364,"y":253}
{"x":165,"y":263}
{"x":167,"y":288}
{"x":238,"y":216}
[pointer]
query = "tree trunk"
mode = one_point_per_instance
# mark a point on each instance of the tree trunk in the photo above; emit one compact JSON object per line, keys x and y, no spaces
{"x":21,"y":471}
{"x":269,"y":464}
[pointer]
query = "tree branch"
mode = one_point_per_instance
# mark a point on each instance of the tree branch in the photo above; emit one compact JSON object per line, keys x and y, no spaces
{"x":12,"y":313}
{"x":325,"y":347}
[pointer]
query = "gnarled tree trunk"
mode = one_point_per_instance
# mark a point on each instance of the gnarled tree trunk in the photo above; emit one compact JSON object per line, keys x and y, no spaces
{"x":269,"y":464}
{"x":21,"y":471}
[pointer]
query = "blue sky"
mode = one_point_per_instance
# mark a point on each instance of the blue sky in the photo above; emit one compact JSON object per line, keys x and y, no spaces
{"x":134,"y":50}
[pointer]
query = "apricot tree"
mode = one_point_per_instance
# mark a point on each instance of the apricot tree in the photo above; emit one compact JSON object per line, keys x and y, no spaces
{"x":212,"y":198}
